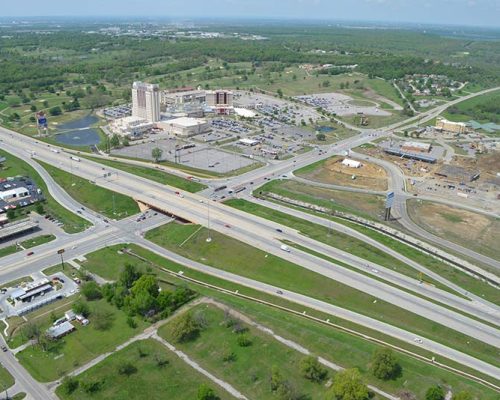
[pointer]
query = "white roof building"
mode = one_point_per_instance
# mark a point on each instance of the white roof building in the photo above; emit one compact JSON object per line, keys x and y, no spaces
{"x":248,"y":142}
{"x":15,"y":193}
{"x":185,"y":126}
{"x":131,"y":126}
{"x":351,"y":163}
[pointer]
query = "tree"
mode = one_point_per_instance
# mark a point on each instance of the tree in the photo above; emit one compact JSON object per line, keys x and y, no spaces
{"x":347,"y":385}
{"x":435,"y":393}
{"x":311,"y":369}
{"x":206,"y":393}
{"x":11,"y":214}
{"x":39,"y":209}
{"x":127,"y":368}
{"x":280,"y":93}
{"x":33,"y":108}
{"x":69,"y":384}
{"x":54,"y":111}
{"x":129,"y":275}
{"x":462,"y":396}
{"x":156,"y":153}
{"x":82,"y":308}
{"x":185,"y":328}
{"x":321,"y":137}
{"x":91,"y":291}
{"x":115,"y":141}
{"x":243,"y":340}
{"x":384,"y":364}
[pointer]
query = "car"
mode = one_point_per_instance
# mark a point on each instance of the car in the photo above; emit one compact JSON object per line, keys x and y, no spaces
{"x":78,"y":211}
{"x":418,"y":340}
{"x":4,"y":348}
{"x":279,"y":230}
{"x":106,"y":221}
{"x":227,"y":225}
{"x":279,"y":292}
{"x":30,"y":253}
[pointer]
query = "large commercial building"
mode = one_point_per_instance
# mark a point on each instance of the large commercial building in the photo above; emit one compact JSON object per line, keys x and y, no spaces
{"x":416,"y":147}
{"x":192,"y":97}
{"x":185,"y":127}
{"x":146,"y":101}
{"x":131,"y":127}
{"x":221,"y":101}
{"x":449,"y":126}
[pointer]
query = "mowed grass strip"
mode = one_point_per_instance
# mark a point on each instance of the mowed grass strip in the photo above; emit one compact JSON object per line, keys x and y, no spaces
{"x":216,"y":349}
{"x":173,"y":380}
{"x":6,"y":379}
{"x":104,"y":201}
{"x":14,"y":166}
{"x":154,"y":174}
{"x":81,"y":346}
{"x":231,"y":255}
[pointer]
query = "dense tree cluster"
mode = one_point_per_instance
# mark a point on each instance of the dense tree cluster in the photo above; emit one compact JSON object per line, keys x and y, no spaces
{"x":139,"y":294}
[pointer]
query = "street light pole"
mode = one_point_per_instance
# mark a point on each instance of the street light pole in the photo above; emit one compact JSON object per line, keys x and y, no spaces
{"x":209,"y":238}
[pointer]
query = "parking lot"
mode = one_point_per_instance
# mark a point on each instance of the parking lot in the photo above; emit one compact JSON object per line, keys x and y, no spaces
{"x":201,"y":156}
{"x":34,"y":193}
{"x":342,"y":105}
{"x":57,"y":287}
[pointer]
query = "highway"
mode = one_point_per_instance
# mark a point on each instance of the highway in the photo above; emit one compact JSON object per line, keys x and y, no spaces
{"x":259,"y":233}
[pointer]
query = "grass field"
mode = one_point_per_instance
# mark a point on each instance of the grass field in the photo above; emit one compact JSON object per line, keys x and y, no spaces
{"x":365,"y":205}
{"x":233,"y":256}
{"x":174,"y":380}
{"x":349,"y":340}
{"x":6,"y":379}
{"x":246,"y":372}
{"x":14,"y":166}
{"x":351,"y":352}
{"x":111,"y":204}
{"x":154,"y":175}
{"x":79,"y":347}
{"x":109,"y":262}
{"x":466,"y":228}
{"x":464,"y":109}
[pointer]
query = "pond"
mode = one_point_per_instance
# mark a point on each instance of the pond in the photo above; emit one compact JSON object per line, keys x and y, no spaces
{"x":325,"y":129}
{"x":78,"y":132}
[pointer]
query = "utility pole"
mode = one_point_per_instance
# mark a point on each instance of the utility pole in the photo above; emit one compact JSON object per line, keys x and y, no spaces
{"x":209,"y":238}
{"x":114,"y":213}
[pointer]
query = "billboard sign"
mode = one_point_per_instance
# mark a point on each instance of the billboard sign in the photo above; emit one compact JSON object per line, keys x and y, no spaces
{"x":41,"y":120}
{"x":389,"y":200}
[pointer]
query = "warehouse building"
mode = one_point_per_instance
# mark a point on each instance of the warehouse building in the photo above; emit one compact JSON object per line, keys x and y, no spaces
{"x":416,"y":147}
{"x":449,"y":126}
{"x":185,"y":126}
{"x":131,"y":127}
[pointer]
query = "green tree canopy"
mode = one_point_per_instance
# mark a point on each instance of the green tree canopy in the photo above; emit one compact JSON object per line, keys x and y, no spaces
{"x":348,"y":385}
{"x":384,"y":364}
{"x":311,"y":369}
{"x":435,"y":393}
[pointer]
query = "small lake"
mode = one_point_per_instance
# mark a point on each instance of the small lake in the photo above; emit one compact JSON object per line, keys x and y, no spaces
{"x":325,"y":129}
{"x":78,"y":132}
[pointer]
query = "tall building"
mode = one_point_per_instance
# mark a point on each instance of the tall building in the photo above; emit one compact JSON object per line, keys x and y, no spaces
{"x":146,"y":101}
{"x":220,"y":100}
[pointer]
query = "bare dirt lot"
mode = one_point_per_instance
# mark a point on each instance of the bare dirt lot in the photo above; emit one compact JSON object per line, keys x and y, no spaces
{"x":368,"y":176}
{"x":472,"y":230}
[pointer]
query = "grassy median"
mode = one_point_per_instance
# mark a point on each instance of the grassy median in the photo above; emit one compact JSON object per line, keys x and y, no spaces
{"x":104,"y":201}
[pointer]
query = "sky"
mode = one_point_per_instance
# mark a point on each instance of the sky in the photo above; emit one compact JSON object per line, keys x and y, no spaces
{"x":449,"y":12}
